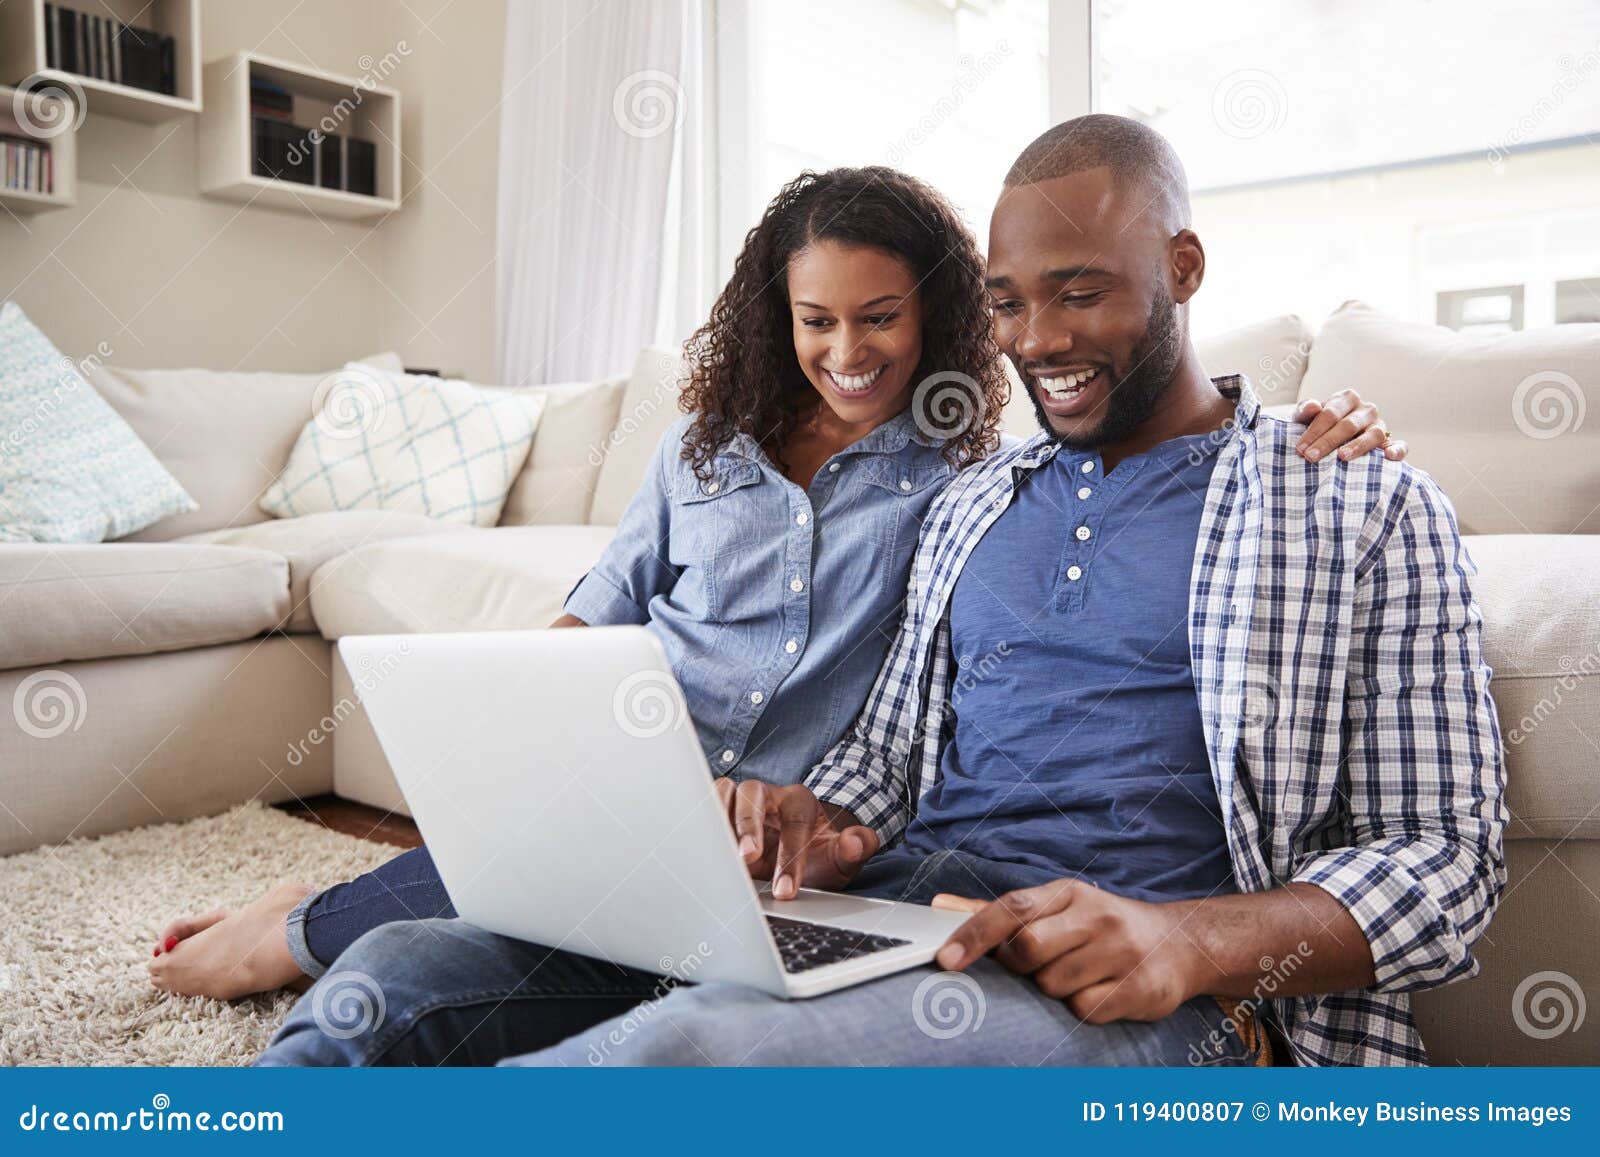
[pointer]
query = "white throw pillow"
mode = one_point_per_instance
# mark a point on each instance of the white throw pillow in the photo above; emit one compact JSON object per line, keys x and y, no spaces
{"x":71,"y":470}
{"x":1273,"y":353}
{"x":556,"y":487}
{"x":1499,"y":420}
{"x":387,"y":441}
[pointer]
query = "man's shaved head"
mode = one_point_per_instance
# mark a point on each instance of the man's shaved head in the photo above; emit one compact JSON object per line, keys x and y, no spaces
{"x":1138,"y":157}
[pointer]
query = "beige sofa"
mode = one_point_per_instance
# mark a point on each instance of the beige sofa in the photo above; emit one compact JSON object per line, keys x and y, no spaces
{"x":190,"y":668}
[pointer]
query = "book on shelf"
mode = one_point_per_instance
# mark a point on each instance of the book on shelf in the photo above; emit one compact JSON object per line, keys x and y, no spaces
{"x":26,"y":165}
{"x":270,"y":100}
{"x":284,"y":151}
{"x":104,"y":48}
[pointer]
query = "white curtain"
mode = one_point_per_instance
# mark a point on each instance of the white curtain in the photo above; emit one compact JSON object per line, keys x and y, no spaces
{"x":595,"y":130}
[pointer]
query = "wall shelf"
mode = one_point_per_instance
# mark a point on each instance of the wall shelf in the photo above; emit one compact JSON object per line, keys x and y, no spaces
{"x":23,"y":59}
{"x":338,"y":105}
{"x":32,"y":115}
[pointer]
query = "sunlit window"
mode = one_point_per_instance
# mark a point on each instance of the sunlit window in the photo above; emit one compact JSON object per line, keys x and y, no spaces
{"x":947,"y":90}
{"x":1447,"y":165}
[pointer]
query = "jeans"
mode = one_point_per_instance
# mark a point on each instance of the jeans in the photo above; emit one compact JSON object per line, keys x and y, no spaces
{"x":325,"y":923}
{"x":440,"y":991}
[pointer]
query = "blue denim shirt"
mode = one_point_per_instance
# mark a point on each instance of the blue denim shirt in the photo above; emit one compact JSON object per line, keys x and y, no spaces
{"x":776,"y":605}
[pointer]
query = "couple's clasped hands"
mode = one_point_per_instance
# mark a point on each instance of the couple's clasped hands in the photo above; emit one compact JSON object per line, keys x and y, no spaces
{"x":1108,"y":957}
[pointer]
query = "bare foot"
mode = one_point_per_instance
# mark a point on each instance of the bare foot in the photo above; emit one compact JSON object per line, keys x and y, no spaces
{"x":226,"y":954}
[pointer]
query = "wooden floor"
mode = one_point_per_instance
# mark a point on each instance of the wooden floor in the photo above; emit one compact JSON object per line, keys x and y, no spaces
{"x":356,"y":819}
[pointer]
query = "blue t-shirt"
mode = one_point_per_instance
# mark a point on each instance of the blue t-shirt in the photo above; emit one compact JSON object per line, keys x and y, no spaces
{"x":1078,"y":746}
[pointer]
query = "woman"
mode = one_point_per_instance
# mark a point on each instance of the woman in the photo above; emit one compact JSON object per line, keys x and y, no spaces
{"x":846,"y":372}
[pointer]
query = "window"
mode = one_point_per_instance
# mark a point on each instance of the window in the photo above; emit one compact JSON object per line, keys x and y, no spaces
{"x":1482,"y":310}
{"x":1578,"y":301}
{"x":947,"y":90}
{"x":1409,"y":154}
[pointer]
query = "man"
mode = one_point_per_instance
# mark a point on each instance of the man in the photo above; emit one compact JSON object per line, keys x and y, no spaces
{"x":1230,"y":734}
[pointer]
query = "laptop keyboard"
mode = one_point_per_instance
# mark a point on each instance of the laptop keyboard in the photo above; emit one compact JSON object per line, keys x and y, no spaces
{"x":804,"y":946}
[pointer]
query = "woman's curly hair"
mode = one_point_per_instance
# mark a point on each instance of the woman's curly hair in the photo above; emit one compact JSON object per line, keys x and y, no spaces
{"x":744,"y":374}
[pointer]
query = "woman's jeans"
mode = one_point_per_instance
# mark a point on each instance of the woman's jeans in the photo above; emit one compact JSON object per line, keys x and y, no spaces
{"x":326,"y":923}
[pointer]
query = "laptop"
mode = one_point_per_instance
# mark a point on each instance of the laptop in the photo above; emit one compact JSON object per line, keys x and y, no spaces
{"x":559,"y":783}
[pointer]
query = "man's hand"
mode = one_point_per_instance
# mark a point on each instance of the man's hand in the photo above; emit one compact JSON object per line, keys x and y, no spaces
{"x":1108,"y":957}
{"x":789,"y":836}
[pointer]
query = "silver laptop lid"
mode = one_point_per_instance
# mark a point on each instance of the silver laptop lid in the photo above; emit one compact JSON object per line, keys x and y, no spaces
{"x":558,"y":781}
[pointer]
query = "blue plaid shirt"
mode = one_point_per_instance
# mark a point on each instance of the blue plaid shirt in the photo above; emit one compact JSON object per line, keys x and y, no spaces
{"x":1345,"y":701}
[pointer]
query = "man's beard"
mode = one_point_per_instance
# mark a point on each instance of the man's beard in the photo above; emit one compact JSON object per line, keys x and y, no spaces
{"x":1131,"y":399}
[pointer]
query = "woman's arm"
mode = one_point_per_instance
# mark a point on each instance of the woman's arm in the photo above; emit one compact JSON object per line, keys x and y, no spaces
{"x":1347,"y":424}
{"x":634,"y":567}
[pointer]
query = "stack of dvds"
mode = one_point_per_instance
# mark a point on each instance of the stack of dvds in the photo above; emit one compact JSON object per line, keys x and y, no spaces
{"x":25,"y":165}
{"x":104,"y":48}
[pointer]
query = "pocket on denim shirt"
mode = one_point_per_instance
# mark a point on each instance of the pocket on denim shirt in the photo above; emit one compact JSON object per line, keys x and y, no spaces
{"x":720,"y":513}
{"x":898,"y":498}
{"x":719,"y":529}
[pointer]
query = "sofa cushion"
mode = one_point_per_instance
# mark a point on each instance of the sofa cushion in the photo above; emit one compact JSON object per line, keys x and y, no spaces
{"x":317,"y":539}
{"x":1541,"y":635}
{"x":509,"y":577}
{"x":1497,"y":419}
{"x":223,"y":435}
{"x":380,"y":441}
{"x":83,"y":601}
{"x":649,"y":407}
{"x":556,"y":487}
{"x":71,"y":470}
{"x":1273,"y":353}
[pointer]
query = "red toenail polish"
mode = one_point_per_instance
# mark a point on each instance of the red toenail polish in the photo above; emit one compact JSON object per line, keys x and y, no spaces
{"x":172,"y":942}
{"x":158,"y":952}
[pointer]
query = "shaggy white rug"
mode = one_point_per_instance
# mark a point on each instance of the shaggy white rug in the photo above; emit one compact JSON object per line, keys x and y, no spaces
{"x":79,"y":920}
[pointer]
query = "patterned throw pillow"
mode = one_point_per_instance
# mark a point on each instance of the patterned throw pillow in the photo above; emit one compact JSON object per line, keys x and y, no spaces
{"x":387,"y":441}
{"x":71,"y":470}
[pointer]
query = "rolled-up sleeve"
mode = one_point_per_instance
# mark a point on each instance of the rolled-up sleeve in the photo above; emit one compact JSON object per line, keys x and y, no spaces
{"x":635,"y":567}
{"x":1426,"y":784}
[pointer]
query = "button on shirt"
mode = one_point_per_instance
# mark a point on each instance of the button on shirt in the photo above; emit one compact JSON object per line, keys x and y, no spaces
{"x":1078,"y":747}
{"x":775,"y":605}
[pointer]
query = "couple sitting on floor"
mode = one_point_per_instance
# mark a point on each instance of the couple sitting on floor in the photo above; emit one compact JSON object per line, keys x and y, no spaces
{"x":1163,"y":696}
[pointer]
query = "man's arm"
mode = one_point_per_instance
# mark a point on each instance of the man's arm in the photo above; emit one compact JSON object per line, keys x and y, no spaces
{"x":1423,"y":773}
{"x":864,"y":774}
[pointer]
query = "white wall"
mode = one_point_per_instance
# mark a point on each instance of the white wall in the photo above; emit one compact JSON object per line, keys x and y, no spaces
{"x":160,"y":276}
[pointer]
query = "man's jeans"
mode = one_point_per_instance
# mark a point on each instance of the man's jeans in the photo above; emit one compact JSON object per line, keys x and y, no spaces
{"x":444,"y":992}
